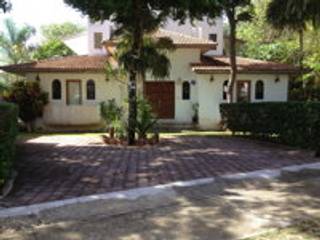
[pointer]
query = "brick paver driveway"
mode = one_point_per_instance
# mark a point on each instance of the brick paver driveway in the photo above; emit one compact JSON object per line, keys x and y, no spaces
{"x":61,"y":167}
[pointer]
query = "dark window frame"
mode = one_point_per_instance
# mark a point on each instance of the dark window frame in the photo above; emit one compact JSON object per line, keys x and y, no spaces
{"x":91,"y":90}
{"x":259,"y":90}
{"x":96,"y":35}
{"x":213,"y":37}
{"x":186,"y":90}
{"x":225,"y":89}
{"x":56,"y":89}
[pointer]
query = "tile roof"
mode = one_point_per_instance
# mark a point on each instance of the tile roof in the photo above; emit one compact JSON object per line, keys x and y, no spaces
{"x":64,"y":64}
{"x":221,"y":64}
{"x":179,"y":39}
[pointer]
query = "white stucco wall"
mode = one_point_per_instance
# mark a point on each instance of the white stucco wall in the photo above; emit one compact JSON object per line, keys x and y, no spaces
{"x":57,"y":112}
{"x":180,"y":72}
{"x":200,"y":29}
{"x":212,"y":94}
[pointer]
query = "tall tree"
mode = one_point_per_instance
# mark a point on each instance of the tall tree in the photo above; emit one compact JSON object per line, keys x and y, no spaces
{"x":61,"y":31}
{"x":13,"y":42}
{"x":293,"y":15}
{"x":236,"y":11}
{"x":137,"y":17}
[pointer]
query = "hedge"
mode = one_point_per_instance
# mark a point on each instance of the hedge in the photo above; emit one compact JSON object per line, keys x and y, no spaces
{"x":295,"y":123}
{"x":8,"y":133}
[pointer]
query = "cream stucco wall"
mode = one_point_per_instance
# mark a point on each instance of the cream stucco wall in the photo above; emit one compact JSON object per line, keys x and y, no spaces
{"x":212,"y":94}
{"x":208,"y":94}
{"x":180,"y":71}
{"x":57,"y":112}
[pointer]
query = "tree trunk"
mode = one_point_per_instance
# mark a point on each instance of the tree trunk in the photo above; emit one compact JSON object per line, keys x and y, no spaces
{"x":133,"y":73}
{"x":301,"y":50}
{"x":233,"y":55}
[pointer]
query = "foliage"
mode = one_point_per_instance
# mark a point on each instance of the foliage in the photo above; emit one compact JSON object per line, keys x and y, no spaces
{"x":61,"y":31}
{"x":5,"y":5}
{"x":145,"y":118}
{"x":296,"y":123}
{"x":112,"y":115}
{"x":137,"y":18}
{"x":308,"y":93}
{"x":13,"y":42}
{"x":30,"y":99}
{"x":8,"y":133}
{"x":52,"y":48}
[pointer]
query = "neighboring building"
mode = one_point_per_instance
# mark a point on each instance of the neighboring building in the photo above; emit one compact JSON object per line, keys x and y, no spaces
{"x":77,"y":84}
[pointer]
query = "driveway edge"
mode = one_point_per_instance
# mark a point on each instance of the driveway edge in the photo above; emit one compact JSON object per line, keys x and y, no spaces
{"x":165,"y":190}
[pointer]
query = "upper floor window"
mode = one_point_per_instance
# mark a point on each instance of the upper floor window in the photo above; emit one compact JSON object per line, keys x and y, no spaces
{"x":98,"y":38}
{"x":225,"y":89}
{"x":185,"y":90}
{"x":56,"y":89}
{"x":91,"y":90}
{"x":213,"y":37}
{"x":259,"y":92}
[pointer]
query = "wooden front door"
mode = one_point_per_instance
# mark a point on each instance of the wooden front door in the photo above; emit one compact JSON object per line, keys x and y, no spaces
{"x":161,"y":96}
{"x":243,"y":91}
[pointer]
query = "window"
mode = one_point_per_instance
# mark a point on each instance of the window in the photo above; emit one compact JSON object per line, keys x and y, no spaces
{"x":213,"y":37}
{"x":98,"y":37}
{"x":56,"y":89}
{"x":243,"y":91}
{"x":91,"y":90}
{"x":259,"y":90}
{"x":225,"y":90}
{"x":73,"y":92}
{"x":185,"y":90}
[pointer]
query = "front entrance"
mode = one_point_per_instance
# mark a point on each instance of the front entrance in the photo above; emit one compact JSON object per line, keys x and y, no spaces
{"x":161,"y":96}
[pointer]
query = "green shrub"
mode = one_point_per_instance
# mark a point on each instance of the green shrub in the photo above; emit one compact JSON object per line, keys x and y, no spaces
{"x":112,"y":115}
{"x":145,"y":118}
{"x":296,"y":123}
{"x":30,"y":99}
{"x":8,"y":133}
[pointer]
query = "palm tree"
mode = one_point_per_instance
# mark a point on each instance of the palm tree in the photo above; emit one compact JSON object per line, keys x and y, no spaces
{"x":13,"y":42}
{"x":138,"y":18}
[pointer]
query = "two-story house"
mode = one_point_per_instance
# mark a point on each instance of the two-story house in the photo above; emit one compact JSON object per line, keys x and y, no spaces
{"x":199,"y":76}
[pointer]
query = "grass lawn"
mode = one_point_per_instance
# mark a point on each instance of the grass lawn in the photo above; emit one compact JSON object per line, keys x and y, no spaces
{"x":305,"y":230}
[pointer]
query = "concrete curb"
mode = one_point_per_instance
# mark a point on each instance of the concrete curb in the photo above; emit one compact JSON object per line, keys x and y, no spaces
{"x":165,"y":190}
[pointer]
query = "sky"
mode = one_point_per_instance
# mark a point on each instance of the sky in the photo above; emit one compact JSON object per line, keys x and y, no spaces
{"x":42,"y":12}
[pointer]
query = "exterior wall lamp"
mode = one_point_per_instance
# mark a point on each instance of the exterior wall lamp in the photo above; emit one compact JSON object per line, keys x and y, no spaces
{"x":211,"y":78}
{"x":277,"y":79}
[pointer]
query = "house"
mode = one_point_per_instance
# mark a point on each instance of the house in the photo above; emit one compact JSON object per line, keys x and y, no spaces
{"x":199,"y":75}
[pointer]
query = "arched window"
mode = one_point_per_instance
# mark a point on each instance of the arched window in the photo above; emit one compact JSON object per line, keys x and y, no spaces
{"x":56,"y":89}
{"x":225,"y":89}
{"x":185,"y":90}
{"x":91,"y":90}
{"x":259,"y":90}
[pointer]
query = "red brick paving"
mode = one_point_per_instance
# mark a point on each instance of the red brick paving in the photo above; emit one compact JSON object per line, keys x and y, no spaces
{"x":52,"y":168}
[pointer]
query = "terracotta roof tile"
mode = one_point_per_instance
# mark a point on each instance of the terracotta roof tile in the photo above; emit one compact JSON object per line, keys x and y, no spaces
{"x":221,"y":64}
{"x":179,"y":39}
{"x":63,"y":64}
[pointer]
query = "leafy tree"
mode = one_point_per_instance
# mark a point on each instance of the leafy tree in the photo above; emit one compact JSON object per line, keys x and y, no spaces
{"x":136,"y":17}
{"x":13,"y":42}
{"x":292,"y":15}
{"x":5,"y":5}
{"x":30,"y":99}
{"x":52,"y":48}
{"x":61,"y":31}
{"x":236,"y":11}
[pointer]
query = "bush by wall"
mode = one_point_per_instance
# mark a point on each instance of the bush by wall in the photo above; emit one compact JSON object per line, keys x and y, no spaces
{"x":295,"y":123}
{"x":8,"y":133}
